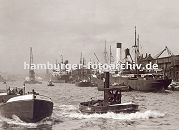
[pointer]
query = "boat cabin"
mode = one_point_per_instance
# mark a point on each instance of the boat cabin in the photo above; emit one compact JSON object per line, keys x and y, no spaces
{"x":112,"y":96}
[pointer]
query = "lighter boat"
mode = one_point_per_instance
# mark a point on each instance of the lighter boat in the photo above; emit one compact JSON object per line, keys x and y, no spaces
{"x":29,"y":108}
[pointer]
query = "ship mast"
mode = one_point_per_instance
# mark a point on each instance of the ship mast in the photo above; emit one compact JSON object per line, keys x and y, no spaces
{"x":31,"y":58}
{"x":81,"y":58}
{"x":83,"y":67}
{"x":105,"y":54}
{"x":31,"y":70}
{"x":61,"y":59}
{"x":136,"y":49}
{"x":110,"y":53}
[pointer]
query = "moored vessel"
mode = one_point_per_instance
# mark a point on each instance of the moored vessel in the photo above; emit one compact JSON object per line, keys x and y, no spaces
{"x":139,"y":79}
{"x":139,"y":83}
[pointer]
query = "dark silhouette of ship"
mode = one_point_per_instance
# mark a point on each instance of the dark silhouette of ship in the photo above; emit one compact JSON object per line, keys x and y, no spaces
{"x":140,"y":80}
{"x":60,"y":75}
{"x":82,"y":76}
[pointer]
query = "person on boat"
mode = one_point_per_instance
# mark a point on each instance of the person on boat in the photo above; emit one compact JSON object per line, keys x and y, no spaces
{"x":33,"y":92}
{"x":21,"y":92}
{"x":14,"y":91}
{"x":117,"y":96}
{"x":111,"y":97}
{"x":166,"y":77}
{"x":8,"y":91}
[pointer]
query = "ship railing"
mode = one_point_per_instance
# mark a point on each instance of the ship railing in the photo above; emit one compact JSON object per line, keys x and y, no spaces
{"x":43,"y":97}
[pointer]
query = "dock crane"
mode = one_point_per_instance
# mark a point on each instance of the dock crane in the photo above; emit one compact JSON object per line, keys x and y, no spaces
{"x":170,"y":54}
{"x":96,"y":57}
{"x":165,"y":49}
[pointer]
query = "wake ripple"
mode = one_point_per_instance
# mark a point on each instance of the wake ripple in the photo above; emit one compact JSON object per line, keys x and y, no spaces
{"x":70,"y":111}
{"x":17,"y":122}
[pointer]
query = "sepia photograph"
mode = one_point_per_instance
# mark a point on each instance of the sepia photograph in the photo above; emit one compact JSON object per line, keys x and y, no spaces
{"x":89,"y":65}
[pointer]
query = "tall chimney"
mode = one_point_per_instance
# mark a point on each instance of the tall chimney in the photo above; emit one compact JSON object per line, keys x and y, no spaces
{"x":118,"y":52}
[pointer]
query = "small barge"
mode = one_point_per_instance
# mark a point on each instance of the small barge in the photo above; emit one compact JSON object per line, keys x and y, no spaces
{"x":111,"y":102}
{"x":50,"y":83}
{"x":85,"y":83}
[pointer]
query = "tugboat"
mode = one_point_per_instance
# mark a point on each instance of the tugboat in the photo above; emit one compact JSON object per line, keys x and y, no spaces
{"x":30,"y":107}
{"x":85,"y":83}
{"x":110,"y":103}
{"x":31,"y":79}
{"x":50,"y":83}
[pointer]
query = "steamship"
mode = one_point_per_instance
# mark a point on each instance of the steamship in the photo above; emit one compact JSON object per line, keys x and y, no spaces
{"x":82,"y":76}
{"x":60,"y":75}
{"x":140,"y":80}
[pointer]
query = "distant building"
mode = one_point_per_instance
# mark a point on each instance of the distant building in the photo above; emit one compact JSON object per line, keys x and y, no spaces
{"x":169,"y":65}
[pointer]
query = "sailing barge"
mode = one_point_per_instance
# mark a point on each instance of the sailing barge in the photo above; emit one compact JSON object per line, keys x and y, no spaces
{"x":111,"y":102}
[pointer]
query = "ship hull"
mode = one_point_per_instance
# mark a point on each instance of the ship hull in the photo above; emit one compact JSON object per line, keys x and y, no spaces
{"x":32,"y":82}
{"x":152,"y":85}
{"x":50,"y":85}
{"x":30,"y":111}
{"x":144,"y":85}
{"x":116,"y":108}
{"x":60,"y":79}
{"x":165,"y":83}
{"x":85,"y":84}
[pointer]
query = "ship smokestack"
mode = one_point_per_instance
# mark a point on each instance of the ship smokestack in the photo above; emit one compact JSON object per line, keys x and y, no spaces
{"x":127,"y":52}
{"x":118,"y":52}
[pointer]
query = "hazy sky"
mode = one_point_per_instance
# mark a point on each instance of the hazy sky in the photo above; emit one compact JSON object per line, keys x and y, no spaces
{"x":55,"y":27}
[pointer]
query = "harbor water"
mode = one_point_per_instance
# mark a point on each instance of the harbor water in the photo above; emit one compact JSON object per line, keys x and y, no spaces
{"x":158,"y":111}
